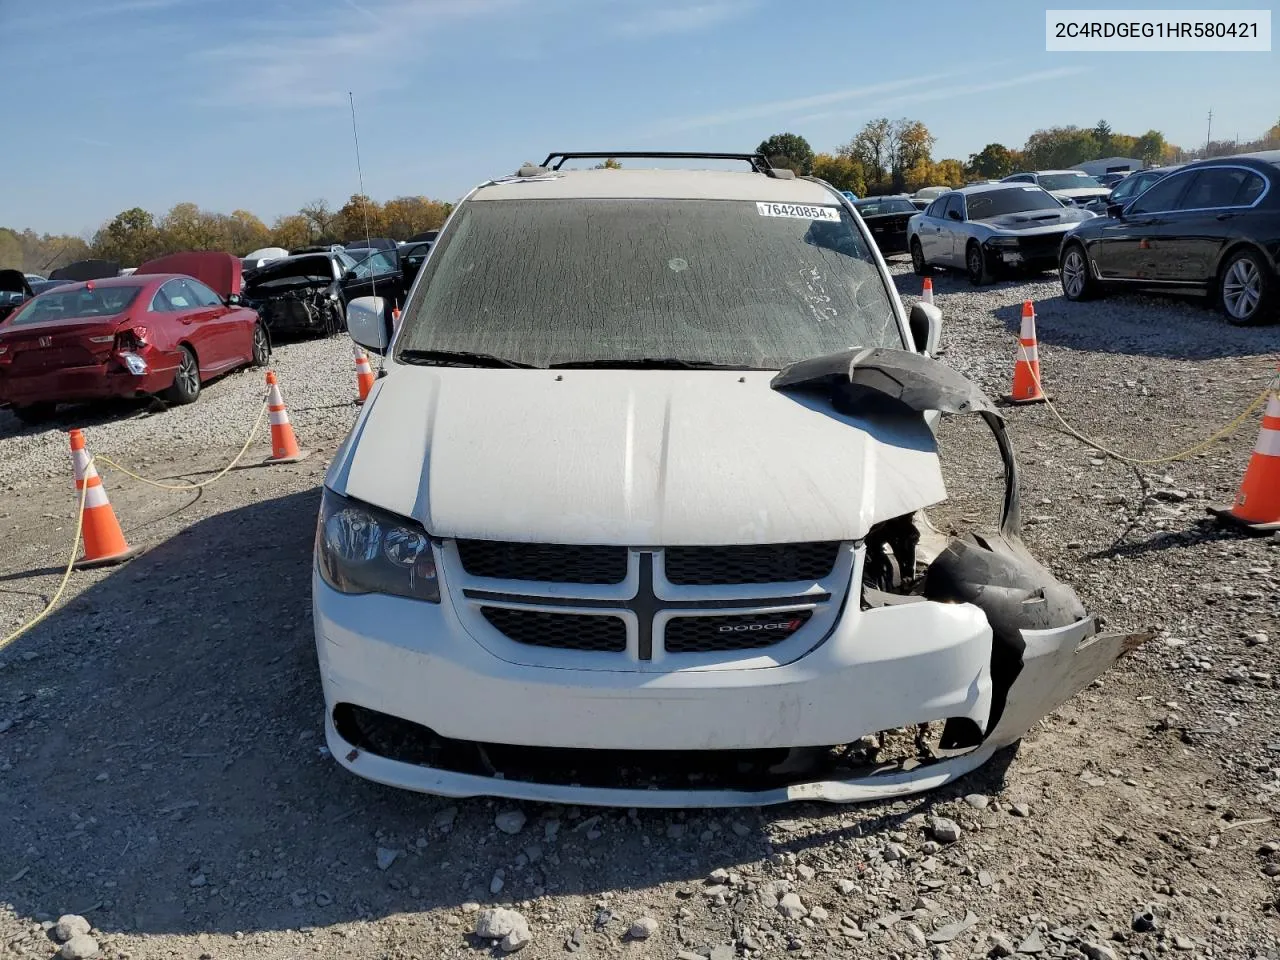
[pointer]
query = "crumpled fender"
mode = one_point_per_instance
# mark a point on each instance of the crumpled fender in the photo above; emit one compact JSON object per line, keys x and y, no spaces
{"x":883,"y":379}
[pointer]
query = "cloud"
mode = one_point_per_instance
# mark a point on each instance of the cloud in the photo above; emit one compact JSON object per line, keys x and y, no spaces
{"x":775,"y":108}
{"x":77,"y":13}
{"x":313,"y":60}
{"x":688,"y":19}
{"x":946,"y":93}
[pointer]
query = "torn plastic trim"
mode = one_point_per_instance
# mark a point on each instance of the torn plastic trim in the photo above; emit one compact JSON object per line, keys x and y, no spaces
{"x":883,"y":379}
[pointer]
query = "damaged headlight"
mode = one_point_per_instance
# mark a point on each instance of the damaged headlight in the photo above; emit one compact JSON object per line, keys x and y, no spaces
{"x":361,"y":549}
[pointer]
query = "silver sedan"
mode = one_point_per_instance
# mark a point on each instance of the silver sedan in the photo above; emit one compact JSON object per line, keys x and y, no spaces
{"x":991,"y":229}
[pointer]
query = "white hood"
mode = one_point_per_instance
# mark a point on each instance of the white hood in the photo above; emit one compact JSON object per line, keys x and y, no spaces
{"x":641,"y":458}
{"x":1073,"y":192}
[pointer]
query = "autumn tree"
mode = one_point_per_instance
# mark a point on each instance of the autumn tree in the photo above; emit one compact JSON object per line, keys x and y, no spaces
{"x":187,"y":227}
{"x":405,"y":216}
{"x":1102,"y":137}
{"x":843,"y":173}
{"x":291,"y":231}
{"x":788,"y":150}
{"x":320,"y":221}
{"x":131,"y":238}
{"x":872,"y":147}
{"x":1060,"y":147}
{"x":993,"y":162}
{"x":358,"y":216}
{"x":610,"y":163}
{"x":910,"y":148}
{"x":1150,"y":147}
{"x":244,"y":232}
{"x":10,"y":250}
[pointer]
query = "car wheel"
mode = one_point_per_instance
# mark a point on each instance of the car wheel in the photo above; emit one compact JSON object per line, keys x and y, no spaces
{"x":261,"y":355}
{"x":1245,"y":289}
{"x":917,"y":259}
{"x":1077,"y":282}
{"x":36,"y":413}
{"x":976,"y":265}
{"x":186,"y":382}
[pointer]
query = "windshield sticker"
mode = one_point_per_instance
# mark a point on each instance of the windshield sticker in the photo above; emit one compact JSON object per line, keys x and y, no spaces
{"x":798,"y":211}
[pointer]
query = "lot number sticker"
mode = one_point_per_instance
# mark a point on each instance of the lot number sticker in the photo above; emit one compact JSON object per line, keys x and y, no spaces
{"x":798,"y":211}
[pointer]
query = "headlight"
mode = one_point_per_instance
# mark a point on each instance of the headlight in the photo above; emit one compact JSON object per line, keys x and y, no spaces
{"x":361,"y":549}
{"x":1002,"y":242}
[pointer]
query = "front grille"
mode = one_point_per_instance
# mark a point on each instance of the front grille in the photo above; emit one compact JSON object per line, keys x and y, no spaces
{"x":772,"y":563}
{"x":543,"y":562}
{"x":731,"y":632}
{"x":560,"y":631}
{"x":1042,"y":246}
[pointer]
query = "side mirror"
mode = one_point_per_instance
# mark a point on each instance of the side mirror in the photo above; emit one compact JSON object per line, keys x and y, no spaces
{"x":925,"y":323}
{"x":234,"y":300}
{"x":953,"y":214}
{"x":367,"y":324}
{"x":1115,"y":210}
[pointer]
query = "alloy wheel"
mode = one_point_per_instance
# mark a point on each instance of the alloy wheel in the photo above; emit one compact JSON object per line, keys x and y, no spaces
{"x":1073,"y":274}
{"x":1242,"y":288}
{"x":188,"y":375}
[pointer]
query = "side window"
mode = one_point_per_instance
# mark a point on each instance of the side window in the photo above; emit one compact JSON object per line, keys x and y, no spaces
{"x":1162,"y":196}
{"x":202,"y":295}
{"x":1125,"y":188}
{"x":955,"y":207}
{"x":1250,"y":190}
{"x":1213,"y":187}
{"x":935,"y":209}
{"x":1021,"y":178}
{"x":161,"y":302}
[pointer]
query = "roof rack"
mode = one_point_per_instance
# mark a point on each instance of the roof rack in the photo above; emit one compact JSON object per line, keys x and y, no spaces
{"x":759,"y":162}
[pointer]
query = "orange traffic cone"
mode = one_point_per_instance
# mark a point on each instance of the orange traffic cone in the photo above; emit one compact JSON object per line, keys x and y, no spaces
{"x":1257,"y":505}
{"x":104,"y":542}
{"x":395,"y":319}
{"x":365,"y":378}
{"x":926,"y":295}
{"x":284,"y":445}
{"x":1026,"y":371}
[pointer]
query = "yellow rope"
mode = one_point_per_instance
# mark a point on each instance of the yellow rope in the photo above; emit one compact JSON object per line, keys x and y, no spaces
{"x":66,"y":574}
{"x":1226,"y":431}
{"x":203,"y":483}
{"x":84,"y":490}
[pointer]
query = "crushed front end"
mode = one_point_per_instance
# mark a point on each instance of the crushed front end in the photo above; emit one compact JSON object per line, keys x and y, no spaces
{"x":734,"y":675}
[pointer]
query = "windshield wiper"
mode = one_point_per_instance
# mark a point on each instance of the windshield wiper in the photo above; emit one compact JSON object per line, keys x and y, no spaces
{"x":465,"y":358}
{"x":650,"y":363}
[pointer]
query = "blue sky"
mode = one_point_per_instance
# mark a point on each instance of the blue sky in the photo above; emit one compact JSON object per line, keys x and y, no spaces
{"x":243,"y":103}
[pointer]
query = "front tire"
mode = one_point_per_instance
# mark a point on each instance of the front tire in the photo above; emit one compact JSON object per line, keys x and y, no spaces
{"x":186,"y":382}
{"x":1246,"y":290}
{"x":975,"y":265}
{"x":917,"y":259}
{"x":1078,"y":282}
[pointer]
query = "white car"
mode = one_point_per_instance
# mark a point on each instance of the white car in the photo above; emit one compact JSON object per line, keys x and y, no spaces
{"x":634,"y":516}
{"x":1072,"y":187}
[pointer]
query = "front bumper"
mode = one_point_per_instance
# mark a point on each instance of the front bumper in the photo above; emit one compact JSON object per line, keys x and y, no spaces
{"x":1038,"y":252}
{"x":880,"y":669}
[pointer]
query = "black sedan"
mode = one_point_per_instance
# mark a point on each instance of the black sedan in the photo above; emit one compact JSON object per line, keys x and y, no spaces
{"x":886,"y":218}
{"x":1210,"y":228}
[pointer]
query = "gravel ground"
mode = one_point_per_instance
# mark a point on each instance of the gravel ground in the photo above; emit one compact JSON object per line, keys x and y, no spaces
{"x":161,"y":769}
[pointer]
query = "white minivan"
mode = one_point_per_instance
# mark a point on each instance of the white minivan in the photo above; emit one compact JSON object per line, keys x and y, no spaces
{"x":634,"y":514}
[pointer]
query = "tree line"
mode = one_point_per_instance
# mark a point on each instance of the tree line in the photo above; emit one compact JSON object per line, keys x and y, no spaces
{"x":897,"y":156}
{"x":883,"y":157}
{"x":135,"y":235}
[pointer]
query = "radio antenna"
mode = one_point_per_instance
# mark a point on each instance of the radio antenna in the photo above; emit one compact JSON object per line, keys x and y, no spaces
{"x":364,"y":199}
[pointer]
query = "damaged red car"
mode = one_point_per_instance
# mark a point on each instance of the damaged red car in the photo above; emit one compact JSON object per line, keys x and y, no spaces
{"x":173,"y":325}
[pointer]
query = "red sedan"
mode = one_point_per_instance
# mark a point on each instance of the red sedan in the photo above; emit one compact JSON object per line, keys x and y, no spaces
{"x":165,"y":330}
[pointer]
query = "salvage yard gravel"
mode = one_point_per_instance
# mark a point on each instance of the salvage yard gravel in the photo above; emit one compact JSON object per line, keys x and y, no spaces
{"x":165,"y":792}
